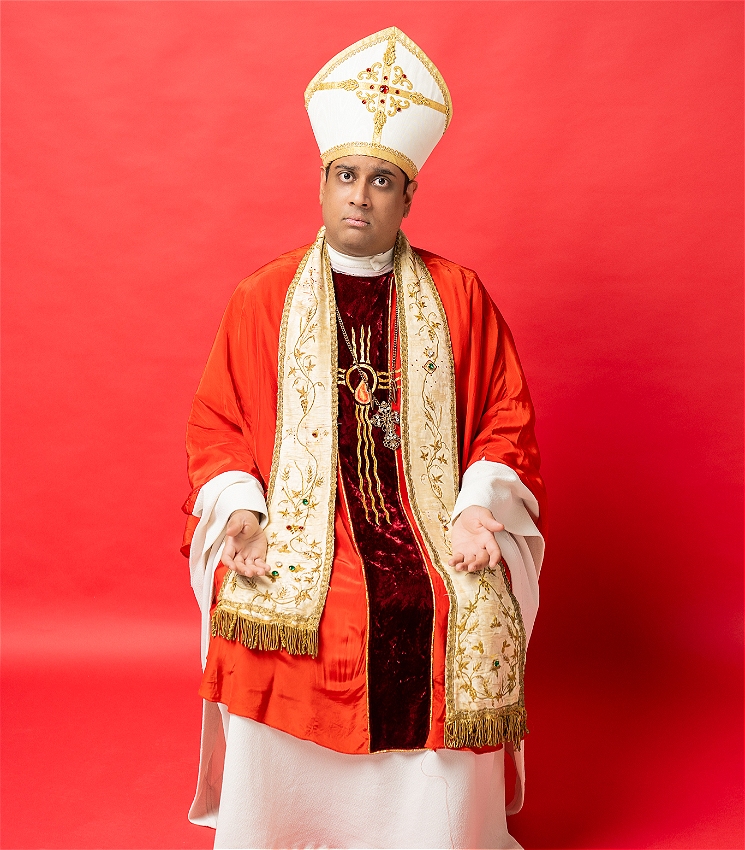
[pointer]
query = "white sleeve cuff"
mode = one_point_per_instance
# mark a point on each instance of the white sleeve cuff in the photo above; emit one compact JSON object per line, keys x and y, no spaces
{"x":497,"y":487}
{"x":243,"y":495}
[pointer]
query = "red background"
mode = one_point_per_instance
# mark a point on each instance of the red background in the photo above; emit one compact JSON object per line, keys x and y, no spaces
{"x":155,"y":153}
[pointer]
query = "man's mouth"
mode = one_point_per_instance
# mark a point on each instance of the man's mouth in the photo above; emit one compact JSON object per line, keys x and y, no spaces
{"x":356,"y":222}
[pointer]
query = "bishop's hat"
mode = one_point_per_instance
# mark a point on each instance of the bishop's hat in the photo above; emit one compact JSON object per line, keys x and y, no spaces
{"x":381,"y":97}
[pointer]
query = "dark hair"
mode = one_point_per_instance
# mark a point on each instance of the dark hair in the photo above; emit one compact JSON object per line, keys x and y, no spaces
{"x":406,"y":176}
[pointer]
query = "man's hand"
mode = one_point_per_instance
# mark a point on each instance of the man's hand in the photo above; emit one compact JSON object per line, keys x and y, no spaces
{"x":472,"y":537}
{"x":245,"y":545}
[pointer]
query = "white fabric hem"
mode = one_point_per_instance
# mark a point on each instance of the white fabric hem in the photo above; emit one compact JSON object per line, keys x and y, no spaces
{"x":419,"y":799}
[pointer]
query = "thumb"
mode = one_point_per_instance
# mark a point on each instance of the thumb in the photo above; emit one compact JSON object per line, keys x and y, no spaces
{"x":491,"y":524}
{"x":234,"y":526}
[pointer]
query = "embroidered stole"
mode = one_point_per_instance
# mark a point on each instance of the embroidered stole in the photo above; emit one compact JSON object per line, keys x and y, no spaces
{"x":485,"y":653}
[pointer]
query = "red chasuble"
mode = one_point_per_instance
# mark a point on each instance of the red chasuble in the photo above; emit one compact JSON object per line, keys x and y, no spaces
{"x":377,"y":683}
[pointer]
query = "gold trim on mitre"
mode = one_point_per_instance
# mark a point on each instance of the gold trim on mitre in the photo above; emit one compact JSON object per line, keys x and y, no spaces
{"x":384,"y":90}
{"x":317,"y":83}
{"x":371,"y":149}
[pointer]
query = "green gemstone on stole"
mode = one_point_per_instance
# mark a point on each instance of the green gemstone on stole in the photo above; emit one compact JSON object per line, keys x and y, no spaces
{"x":275,"y":572}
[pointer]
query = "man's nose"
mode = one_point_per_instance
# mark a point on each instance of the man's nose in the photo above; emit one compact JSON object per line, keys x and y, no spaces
{"x":360,"y":194}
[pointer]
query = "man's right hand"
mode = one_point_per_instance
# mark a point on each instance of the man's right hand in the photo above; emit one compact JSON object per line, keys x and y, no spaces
{"x":245,"y":545}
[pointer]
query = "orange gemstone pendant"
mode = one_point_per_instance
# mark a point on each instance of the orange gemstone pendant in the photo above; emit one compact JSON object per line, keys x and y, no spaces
{"x":361,"y":394}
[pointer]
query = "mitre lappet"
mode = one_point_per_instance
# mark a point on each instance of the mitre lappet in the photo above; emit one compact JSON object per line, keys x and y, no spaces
{"x":380,"y":97}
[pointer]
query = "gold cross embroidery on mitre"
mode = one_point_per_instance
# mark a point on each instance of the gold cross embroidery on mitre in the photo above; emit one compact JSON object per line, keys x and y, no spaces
{"x":384,"y":89}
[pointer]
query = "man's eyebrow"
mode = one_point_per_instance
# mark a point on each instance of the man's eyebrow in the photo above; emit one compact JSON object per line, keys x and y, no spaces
{"x":355,"y":168}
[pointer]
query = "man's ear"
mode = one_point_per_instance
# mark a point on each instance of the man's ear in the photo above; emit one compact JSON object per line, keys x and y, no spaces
{"x":323,"y":185}
{"x":409,"y":196}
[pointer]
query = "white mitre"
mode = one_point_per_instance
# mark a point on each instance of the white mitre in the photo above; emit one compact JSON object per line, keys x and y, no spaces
{"x":380,"y":97}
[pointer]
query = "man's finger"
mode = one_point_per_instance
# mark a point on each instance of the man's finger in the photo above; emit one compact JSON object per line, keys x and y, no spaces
{"x":456,"y":559}
{"x":467,"y":561}
{"x":259,"y":568}
{"x":481,"y":559}
{"x":494,"y":552}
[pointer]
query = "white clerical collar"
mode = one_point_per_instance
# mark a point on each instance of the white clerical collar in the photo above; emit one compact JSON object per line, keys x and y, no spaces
{"x":360,"y":266}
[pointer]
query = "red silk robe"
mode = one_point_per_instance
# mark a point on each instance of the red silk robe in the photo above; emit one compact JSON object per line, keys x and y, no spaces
{"x":232,"y":427}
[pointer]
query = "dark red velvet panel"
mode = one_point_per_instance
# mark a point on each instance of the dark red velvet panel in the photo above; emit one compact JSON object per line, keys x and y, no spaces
{"x":399,"y":591}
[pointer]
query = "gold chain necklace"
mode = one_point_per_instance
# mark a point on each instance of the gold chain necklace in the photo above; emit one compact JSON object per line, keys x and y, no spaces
{"x":386,"y":417}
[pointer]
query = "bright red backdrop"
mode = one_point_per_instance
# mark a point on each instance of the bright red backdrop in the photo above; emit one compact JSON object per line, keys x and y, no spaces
{"x":154,"y":153}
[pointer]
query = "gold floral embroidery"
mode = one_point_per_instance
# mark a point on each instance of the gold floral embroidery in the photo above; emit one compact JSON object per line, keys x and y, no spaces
{"x":383,"y":88}
{"x":284,"y":608}
{"x":484,"y":677}
{"x":391,"y":36}
{"x":485,"y":646}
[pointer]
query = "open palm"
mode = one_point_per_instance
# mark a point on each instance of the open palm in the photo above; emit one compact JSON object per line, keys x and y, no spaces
{"x":472,"y":537}
{"x":245,"y":545}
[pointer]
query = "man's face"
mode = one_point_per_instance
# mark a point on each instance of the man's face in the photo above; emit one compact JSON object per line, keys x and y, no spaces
{"x":363,"y":202}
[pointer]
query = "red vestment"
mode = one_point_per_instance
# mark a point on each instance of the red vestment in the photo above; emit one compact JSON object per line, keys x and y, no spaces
{"x":327,"y":699}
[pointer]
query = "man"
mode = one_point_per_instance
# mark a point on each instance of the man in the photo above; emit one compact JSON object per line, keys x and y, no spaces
{"x":366,"y":609}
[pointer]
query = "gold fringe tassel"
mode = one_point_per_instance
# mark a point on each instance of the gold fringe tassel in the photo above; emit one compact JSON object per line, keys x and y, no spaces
{"x":486,"y":728}
{"x":257,"y":635}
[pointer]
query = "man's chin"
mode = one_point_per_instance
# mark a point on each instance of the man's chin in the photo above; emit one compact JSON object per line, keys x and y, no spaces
{"x":353,"y":241}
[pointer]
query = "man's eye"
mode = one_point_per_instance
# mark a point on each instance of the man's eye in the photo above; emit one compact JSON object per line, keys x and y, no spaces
{"x":345,"y":175}
{"x":381,"y":181}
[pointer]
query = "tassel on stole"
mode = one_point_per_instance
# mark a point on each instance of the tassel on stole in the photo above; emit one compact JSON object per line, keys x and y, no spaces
{"x":486,"y":728}
{"x":257,"y":635}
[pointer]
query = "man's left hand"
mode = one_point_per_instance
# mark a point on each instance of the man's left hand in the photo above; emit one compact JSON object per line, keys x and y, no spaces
{"x":472,"y":537}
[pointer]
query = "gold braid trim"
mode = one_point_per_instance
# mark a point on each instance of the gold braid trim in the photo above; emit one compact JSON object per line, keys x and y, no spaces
{"x":486,"y":728}
{"x":255,"y":634}
{"x":371,"y":149}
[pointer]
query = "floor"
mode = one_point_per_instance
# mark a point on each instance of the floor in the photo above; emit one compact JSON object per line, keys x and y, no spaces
{"x":102,"y":728}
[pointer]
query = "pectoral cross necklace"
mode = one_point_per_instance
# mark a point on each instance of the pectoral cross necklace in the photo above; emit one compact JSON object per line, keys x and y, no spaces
{"x":385,"y":417}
